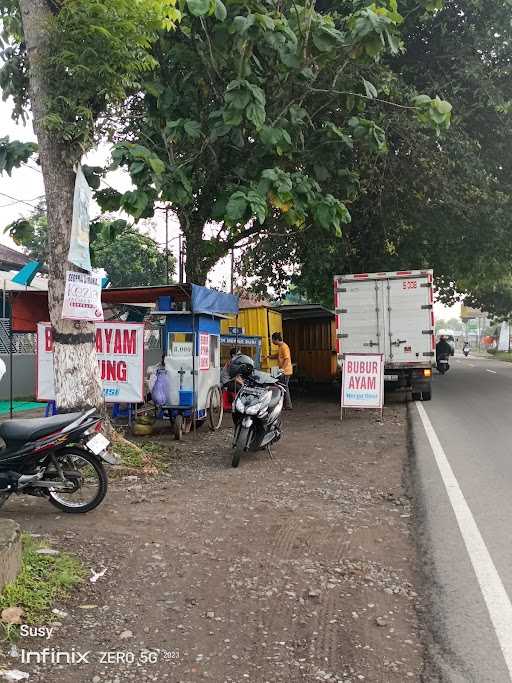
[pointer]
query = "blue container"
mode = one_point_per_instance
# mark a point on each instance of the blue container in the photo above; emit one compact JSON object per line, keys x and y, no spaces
{"x":164,"y":303}
{"x":186,"y":397}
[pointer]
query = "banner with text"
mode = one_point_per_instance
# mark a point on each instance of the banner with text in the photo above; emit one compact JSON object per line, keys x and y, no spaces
{"x":82,"y":297}
{"x":120,"y":354}
{"x":363,"y":381}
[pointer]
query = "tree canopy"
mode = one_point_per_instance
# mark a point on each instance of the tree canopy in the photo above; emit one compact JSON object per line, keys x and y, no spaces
{"x":257,"y":118}
{"x":430,"y":202}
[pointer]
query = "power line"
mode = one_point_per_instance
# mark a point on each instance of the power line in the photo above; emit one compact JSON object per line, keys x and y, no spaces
{"x":22,"y":201}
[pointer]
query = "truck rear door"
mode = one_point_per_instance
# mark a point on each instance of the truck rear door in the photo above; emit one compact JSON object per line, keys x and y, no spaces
{"x":409,"y":321}
{"x":360,"y":311}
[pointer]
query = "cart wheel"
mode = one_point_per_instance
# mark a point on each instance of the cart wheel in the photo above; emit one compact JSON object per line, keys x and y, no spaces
{"x":214,"y":408}
{"x":178,"y":427}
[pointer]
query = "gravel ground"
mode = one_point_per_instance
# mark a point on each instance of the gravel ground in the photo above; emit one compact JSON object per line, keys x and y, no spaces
{"x":299,"y":568}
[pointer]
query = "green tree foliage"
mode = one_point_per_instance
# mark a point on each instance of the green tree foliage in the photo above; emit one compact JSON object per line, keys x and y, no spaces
{"x":257,"y":118}
{"x":130,"y":258}
{"x":14,"y":153}
{"x":99,"y":54}
{"x":430,"y":202}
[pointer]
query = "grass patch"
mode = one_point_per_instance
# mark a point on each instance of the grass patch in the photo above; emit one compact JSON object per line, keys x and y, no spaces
{"x":146,"y":457}
{"x":42,"y":580}
{"x":503,"y":355}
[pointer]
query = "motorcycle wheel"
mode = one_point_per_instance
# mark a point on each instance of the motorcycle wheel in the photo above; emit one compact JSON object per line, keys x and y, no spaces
{"x":178,"y":428}
{"x":94,"y":481}
{"x":239,"y":445}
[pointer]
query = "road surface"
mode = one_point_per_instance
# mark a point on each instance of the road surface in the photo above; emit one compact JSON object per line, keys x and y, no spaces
{"x":462,"y":469}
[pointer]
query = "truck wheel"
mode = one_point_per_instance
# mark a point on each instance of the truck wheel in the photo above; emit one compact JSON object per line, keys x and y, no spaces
{"x":426,"y":395}
{"x":416,"y":395}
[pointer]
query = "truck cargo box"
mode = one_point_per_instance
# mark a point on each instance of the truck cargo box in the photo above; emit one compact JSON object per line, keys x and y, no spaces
{"x":389,"y":313}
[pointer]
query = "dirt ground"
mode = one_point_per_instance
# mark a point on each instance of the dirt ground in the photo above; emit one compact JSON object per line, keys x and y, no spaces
{"x":300,"y":568}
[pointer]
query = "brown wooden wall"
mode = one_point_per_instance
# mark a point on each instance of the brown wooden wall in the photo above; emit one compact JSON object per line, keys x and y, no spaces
{"x":312,"y":344}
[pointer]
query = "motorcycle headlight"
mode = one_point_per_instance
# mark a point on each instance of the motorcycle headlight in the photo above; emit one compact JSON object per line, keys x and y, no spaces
{"x":254,"y":409}
{"x":239,"y":406}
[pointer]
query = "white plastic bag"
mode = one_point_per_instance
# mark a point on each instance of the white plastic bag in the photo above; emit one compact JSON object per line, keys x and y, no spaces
{"x":79,"y":254}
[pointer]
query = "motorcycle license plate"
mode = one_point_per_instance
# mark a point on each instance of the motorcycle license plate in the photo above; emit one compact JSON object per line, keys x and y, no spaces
{"x":391,"y":378}
{"x":443,"y":362}
{"x":98,"y":444}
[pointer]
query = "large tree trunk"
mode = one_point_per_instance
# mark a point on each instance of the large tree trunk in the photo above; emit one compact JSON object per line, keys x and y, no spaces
{"x":77,"y":380}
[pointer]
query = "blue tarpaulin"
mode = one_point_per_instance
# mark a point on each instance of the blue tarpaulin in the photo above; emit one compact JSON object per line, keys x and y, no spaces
{"x":206,"y":300}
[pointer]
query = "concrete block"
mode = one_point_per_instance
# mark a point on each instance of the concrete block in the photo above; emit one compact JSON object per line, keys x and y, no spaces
{"x":10,"y":551}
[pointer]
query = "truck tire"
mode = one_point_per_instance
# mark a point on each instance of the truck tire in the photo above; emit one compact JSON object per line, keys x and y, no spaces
{"x":426,"y":395}
{"x":416,"y":395}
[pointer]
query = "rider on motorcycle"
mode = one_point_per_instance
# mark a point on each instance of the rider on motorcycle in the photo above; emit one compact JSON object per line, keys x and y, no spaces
{"x":443,"y":348}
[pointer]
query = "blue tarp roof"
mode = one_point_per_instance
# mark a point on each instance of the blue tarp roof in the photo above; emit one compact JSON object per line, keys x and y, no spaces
{"x":206,"y":300}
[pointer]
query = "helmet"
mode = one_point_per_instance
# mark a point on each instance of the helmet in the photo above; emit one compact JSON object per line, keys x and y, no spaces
{"x":241,"y":365}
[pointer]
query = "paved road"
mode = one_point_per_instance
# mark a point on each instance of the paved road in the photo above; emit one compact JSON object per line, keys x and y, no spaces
{"x":463,"y":474}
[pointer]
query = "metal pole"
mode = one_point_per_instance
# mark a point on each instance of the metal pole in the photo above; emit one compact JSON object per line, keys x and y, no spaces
{"x":167,"y":244}
{"x":180,"y":258}
{"x":194,"y":401}
{"x":3,"y":302}
{"x":10,"y":358}
{"x":232,"y":269}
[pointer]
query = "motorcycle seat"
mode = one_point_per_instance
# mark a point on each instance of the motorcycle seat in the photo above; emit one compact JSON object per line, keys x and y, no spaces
{"x":35,"y":428}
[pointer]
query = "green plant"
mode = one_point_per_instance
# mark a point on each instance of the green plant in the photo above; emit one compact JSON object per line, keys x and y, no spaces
{"x":41,"y":580}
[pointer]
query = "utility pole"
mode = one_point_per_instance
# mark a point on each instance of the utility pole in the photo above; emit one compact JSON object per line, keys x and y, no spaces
{"x":232,"y":270}
{"x":167,"y":244}
{"x":180,"y":257}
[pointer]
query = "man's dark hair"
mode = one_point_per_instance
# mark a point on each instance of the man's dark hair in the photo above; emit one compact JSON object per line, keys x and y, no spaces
{"x":277,"y":336}
{"x":234,"y":352}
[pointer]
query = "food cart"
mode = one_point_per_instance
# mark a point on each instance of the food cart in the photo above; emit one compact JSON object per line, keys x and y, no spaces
{"x":191,"y":317}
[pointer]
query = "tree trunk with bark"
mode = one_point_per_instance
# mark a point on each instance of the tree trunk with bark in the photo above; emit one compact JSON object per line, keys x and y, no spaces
{"x":77,"y":380}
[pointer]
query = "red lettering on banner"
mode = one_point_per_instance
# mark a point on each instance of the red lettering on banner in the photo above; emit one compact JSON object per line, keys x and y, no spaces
{"x":118,"y":347}
{"x":121,"y":371}
{"x":99,"y":342}
{"x":48,"y":339}
{"x":130,"y":342}
{"x":349,"y":366}
{"x":113,"y":370}
{"x":371,"y":383}
{"x":108,"y":338}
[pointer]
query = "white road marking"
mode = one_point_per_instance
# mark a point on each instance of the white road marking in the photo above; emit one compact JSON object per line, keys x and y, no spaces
{"x":493,"y":591}
{"x":493,"y":371}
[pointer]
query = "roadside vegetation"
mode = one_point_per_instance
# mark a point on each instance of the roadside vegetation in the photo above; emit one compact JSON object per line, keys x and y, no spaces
{"x":43,"y":579}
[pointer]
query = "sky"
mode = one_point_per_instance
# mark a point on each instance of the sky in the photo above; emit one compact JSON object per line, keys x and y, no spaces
{"x":21,"y":192}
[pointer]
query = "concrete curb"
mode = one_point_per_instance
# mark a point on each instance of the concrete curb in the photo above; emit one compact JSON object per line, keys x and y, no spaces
{"x":10,"y":551}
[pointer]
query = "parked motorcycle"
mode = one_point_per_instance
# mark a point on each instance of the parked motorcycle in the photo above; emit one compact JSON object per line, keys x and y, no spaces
{"x":442,"y":364}
{"x":256,"y":410}
{"x":59,"y":458}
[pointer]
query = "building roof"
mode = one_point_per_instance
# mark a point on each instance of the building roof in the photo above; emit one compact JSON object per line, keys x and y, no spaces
{"x":11,"y":259}
{"x":302,"y":311}
{"x":254,"y":303}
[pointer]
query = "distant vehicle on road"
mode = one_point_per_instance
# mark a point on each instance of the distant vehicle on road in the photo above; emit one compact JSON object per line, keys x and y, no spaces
{"x":389,"y":313}
{"x":449,"y":338}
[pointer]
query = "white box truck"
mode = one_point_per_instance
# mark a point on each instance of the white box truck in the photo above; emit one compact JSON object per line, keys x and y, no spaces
{"x":393,"y":314}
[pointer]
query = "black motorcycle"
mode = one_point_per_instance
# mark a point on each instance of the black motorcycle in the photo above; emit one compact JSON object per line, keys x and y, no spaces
{"x":59,"y":458}
{"x":442,"y":364}
{"x":256,"y":409}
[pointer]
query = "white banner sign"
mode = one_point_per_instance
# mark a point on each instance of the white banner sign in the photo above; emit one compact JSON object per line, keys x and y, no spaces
{"x":120,"y":354}
{"x":503,"y":342}
{"x":204,"y":351}
{"x":79,"y":253}
{"x":82,"y":297}
{"x":363,"y":381}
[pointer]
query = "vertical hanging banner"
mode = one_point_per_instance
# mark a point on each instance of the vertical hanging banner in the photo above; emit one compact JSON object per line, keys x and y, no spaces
{"x":204,"y":351}
{"x":79,"y":254}
{"x":82,"y":297}
{"x":120,"y":355}
{"x":363,"y":381}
